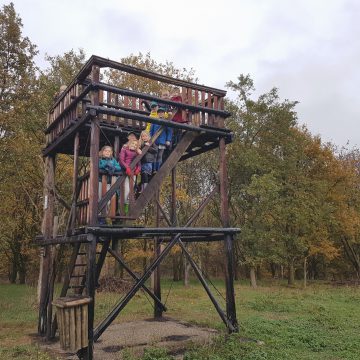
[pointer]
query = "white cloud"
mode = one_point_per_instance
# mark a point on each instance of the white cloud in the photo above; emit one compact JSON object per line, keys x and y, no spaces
{"x":308,"y":49}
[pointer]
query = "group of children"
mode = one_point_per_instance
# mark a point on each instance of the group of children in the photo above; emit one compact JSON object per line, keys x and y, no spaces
{"x":152,"y":160}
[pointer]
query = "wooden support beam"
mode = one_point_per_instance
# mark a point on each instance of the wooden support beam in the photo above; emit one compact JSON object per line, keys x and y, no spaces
{"x":128,"y":232}
{"x":90,"y":287}
{"x":47,"y":229}
{"x":225,"y":219}
{"x":200,"y":276}
{"x":157,"y":252}
{"x":61,"y":239}
{"x":93,"y":213}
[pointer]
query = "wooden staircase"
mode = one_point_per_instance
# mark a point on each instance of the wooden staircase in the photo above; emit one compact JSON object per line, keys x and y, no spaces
{"x":154,"y":185}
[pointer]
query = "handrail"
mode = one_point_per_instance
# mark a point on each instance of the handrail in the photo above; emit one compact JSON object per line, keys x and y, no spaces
{"x":69,"y":107}
{"x":102,"y":62}
{"x":126,"y":92}
{"x":122,"y":91}
{"x":173,"y":124}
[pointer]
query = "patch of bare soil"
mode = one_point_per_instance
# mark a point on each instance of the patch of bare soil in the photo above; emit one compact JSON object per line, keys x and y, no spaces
{"x":135,"y":336}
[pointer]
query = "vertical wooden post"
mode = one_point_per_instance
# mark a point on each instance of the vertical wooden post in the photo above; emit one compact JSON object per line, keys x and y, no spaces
{"x":47,"y":228}
{"x":224,"y":209}
{"x":115,"y":245}
{"x":94,"y":155}
{"x":52,"y":276}
{"x":75,"y":183}
{"x":173,"y":197}
{"x":157,"y":251}
{"x":93,"y":213}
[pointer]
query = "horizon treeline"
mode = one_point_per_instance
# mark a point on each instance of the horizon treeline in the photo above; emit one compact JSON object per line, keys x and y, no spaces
{"x":295,"y":198}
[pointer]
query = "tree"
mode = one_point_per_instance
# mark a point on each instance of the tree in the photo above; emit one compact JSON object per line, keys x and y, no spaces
{"x":17,"y":69}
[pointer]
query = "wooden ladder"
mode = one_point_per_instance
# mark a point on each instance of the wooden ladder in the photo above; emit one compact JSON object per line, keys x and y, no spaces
{"x":76,"y":275}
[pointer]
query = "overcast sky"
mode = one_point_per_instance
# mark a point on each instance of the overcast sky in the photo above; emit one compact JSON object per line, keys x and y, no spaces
{"x":309,"y":49}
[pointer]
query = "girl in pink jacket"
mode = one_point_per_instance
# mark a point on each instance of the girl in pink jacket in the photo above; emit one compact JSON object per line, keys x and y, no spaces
{"x":127,"y":154}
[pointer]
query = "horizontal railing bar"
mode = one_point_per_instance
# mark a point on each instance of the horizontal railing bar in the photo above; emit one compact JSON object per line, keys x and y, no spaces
{"x":39,"y":240}
{"x":102,"y":62}
{"x":172,"y":124}
{"x":184,"y":106}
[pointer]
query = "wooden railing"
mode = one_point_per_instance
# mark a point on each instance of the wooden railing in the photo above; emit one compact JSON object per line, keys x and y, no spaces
{"x":82,"y":204}
{"x":202,"y":106}
{"x":115,"y":206}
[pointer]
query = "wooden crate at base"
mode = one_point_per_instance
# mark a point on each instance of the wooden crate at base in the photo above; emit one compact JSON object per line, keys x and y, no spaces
{"x":72,"y":315}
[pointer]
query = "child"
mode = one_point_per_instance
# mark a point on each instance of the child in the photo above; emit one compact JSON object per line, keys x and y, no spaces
{"x":163,"y":141}
{"x":127,"y":154}
{"x":178,"y":117}
{"x":131,"y":137}
{"x":154,"y":113}
{"x":176,"y":96}
{"x":148,"y":159}
{"x":107,"y":166}
{"x":168,"y":111}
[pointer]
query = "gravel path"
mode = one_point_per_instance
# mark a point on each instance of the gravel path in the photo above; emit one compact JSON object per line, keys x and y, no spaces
{"x":135,"y":336}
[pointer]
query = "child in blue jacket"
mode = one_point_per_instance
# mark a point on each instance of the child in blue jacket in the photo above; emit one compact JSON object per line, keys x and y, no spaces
{"x":110,"y":167}
{"x":107,"y":163}
{"x":163,"y":141}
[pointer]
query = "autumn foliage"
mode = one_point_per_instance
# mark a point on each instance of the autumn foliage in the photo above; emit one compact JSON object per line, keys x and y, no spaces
{"x":295,"y":198}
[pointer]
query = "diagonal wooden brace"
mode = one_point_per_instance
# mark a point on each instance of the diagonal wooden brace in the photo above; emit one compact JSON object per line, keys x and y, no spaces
{"x":134,"y":276}
{"x":115,"y":312}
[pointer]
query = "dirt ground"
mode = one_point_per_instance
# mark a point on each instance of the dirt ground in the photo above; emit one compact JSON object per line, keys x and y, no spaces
{"x":135,"y":336}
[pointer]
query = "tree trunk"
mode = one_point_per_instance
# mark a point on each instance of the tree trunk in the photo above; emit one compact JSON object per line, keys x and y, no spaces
{"x":291,"y":273}
{"x":253,"y":277}
{"x":305,"y":272}
{"x":22,"y":276}
{"x":13,"y":272}
{"x":273,"y":270}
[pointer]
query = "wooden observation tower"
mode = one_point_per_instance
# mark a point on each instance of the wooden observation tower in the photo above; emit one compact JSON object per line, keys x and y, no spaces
{"x":87,"y":115}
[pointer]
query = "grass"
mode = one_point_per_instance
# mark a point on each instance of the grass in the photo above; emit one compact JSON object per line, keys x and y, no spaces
{"x":320,"y":322}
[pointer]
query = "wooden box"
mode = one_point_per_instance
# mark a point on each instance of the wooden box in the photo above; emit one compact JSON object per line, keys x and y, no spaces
{"x":72,"y":317}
